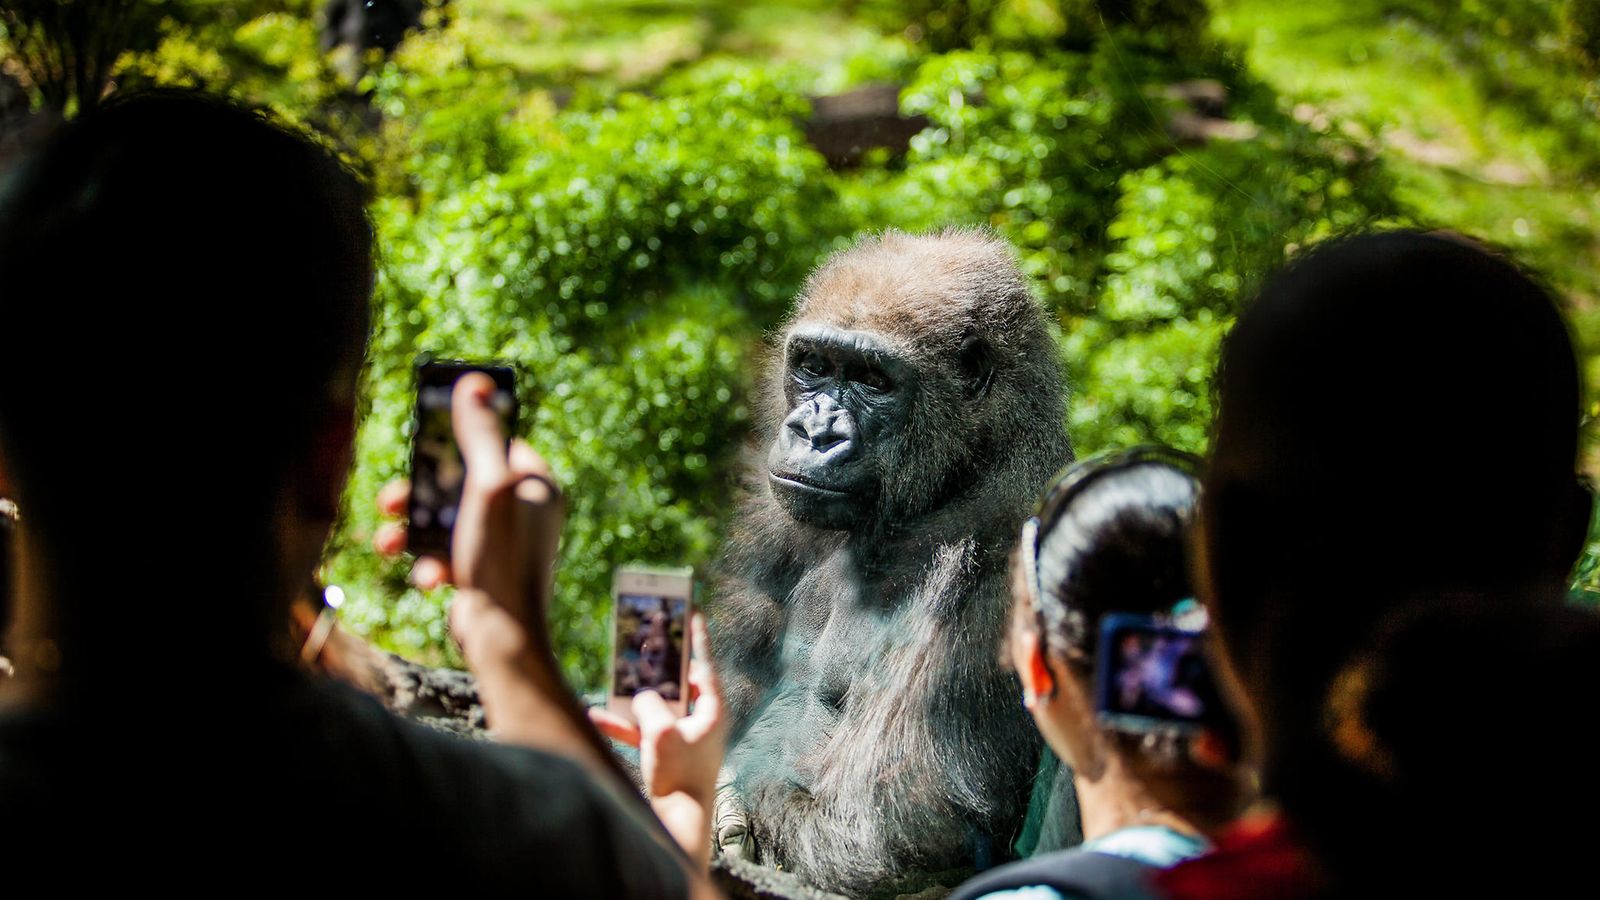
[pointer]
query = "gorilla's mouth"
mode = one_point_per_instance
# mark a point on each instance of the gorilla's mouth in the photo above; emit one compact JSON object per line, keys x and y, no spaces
{"x":807,"y":484}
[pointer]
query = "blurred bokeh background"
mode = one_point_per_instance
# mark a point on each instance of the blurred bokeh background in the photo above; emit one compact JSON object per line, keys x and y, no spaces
{"x":621,"y":196}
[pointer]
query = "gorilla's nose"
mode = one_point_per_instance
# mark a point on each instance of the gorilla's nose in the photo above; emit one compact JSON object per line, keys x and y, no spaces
{"x":829,"y":429}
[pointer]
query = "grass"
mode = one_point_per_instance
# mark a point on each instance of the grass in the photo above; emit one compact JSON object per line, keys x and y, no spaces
{"x":1485,"y":132}
{"x":629,"y":43}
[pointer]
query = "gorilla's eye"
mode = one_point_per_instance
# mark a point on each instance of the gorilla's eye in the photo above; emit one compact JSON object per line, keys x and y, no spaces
{"x":814,"y":365}
{"x":875,"y":380}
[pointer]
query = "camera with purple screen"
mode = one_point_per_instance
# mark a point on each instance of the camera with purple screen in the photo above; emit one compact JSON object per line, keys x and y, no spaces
{"x":1151,"y":676}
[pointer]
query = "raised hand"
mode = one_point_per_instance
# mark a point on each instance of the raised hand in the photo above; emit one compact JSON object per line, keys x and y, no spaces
{"x":679,"y":756}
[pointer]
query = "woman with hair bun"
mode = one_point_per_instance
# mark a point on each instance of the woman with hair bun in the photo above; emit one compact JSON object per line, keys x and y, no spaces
{"x":1108,"y":545}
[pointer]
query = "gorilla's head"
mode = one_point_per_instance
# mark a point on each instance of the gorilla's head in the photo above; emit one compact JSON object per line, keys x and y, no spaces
{"x":913,"y":368}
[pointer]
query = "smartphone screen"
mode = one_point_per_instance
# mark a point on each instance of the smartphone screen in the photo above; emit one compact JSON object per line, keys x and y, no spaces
{"x":650,"y":636}
{"x":1151,"y":676}
{"x":438,"y":471}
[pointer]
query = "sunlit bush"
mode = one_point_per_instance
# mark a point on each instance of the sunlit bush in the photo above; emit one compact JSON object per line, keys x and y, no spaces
{"x":628,"y":250}
{"x":1143,"y":247}
{"x":626,"y":256}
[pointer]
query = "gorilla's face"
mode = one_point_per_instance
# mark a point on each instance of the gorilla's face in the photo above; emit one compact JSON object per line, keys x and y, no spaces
{"x":849,"y":394}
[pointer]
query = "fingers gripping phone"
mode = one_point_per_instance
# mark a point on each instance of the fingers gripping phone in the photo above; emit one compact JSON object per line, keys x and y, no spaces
{"x":438,"y":471}
{"x":650,"y":636}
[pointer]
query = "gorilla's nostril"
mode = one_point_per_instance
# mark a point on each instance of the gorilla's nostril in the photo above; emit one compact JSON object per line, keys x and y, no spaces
{"x":822,"y":443}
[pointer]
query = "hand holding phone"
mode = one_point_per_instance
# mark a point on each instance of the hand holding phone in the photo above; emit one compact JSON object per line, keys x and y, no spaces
{"x":504,"y":545}
{"x":438,"y":469}
{"x":507,"y":521}
{"x":680,"y":755}
{"x":650,"y":647}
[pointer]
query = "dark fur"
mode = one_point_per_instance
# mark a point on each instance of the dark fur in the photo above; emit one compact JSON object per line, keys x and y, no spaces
{"x":875,"y":732}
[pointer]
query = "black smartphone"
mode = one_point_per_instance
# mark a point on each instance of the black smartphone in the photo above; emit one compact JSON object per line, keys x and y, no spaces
{"x":438,"y":471}
{"x":1151,"y":676}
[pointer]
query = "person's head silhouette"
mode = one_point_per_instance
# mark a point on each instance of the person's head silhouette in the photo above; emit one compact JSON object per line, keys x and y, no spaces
{"x":184,"y":290}
{"x":1398,"y":421}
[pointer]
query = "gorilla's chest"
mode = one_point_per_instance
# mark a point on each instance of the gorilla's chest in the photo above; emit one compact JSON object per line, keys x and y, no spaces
{"x":837,"y":628}
{"x":833,"y":620}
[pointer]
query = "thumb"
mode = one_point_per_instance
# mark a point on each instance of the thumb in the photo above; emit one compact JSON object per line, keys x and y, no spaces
{"x":653,"y":714}
{"x":477,"y":428}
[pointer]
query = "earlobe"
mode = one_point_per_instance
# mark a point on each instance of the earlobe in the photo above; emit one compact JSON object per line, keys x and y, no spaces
{"x":1037,"y":679}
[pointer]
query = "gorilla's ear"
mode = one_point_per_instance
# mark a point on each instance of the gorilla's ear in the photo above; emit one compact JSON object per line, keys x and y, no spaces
{"x":977,"y":366}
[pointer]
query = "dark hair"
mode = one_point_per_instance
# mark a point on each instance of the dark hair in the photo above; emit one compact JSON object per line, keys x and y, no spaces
{"x":1459,"y":722}
{"x":1412,"y":395}
{"x":1398,"y":417}
{"x":184,"y":290}
{"x":1111,"y":537}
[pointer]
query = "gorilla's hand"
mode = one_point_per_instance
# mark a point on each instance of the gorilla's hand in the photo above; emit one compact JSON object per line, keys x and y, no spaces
{"x":730,"y":820}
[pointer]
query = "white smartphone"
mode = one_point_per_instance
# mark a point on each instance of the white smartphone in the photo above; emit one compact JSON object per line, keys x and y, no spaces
{"x":650,"y":636}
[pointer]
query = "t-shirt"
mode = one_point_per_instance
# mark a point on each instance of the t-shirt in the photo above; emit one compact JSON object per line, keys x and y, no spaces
{"x":297,"y":784}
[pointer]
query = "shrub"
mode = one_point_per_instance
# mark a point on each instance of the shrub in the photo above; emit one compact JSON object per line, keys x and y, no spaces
{"x":627,"y":250}
{"x":626,"y":257}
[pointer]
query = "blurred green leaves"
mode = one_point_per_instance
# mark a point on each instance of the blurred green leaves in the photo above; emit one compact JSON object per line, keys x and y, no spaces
{"x":625,"y":253}
{"x":626,"y":236}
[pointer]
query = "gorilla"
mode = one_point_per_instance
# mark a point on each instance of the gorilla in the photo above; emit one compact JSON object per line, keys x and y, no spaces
{"x":911,"y":413}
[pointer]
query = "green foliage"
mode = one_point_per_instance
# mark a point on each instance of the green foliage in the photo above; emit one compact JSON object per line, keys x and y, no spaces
{"x":625,"y":254}
{"x":449,"y":119}
{"x":67,"y":49}
{"x":1147,"y":386}
{"x":1191,"y":236}
{"x":1033,"y":142}
{"x":1035,"y":145}
{"x":1040,"y":24}
{"x":1142,"y":247}
{"x":627,"y":250}
{"x":642,"y":438}
{"x":618,"y":198}
{"x":264,"y":52}
{"x":1513,"y":48}
{"x":1580,"y":26}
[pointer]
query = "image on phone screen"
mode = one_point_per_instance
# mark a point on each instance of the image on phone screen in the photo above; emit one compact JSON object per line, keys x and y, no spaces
{"x":438,"y":471}
{"x":1153,"y":675}
{"x":650,"y":643}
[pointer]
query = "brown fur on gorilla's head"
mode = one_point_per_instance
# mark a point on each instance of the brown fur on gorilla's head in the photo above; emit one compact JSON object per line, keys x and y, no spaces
{"x":932,"y":287}
{"x":990,"y":398}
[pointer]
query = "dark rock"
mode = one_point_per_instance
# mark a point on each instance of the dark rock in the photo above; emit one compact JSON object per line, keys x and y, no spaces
{"x":1205,"y":96}
{"x":843,"y":127}
{"x":434,"y":695}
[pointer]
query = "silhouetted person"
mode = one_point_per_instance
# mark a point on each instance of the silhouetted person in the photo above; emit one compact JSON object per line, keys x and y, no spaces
{"x":1397,"y":429}
{"x":184,"y":293}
